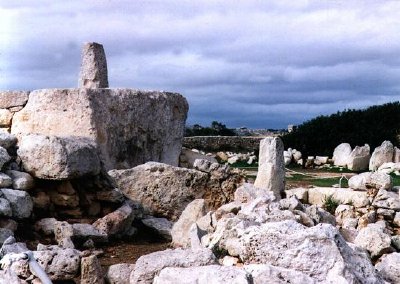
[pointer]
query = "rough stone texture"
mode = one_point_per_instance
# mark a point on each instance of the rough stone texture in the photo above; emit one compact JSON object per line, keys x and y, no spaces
{"x":319,"y":215}
{"x":149,"y":265}
{"x":396,"y":155}
{"x":161,"y":226}
{"x":63,"y":232}
{"x":374,"y":240}
{"x":222,"y":143}
{"x":5,"y":118}
{"x":59,"y":264}
{"x":10,"y":99}
{"x":341,"y":154}
{"x":271,"y":169}
{"x":215,"y":274}
{"x":164,"y":190}
{"x":5,"y":208}
{"x":181,"y":229}
{"x":7,"y":140}
{"x":5,"y":180}
{"x":88,"y":231}
{"x":130,"y":127}
{"x":381,"y":154}
{"x":4,"y":157}
{"x":187,"y":158}
{"x":387,"y":199}
{"x":91,"y":272}
{"x":5,"y":234}
{"x":389,"y":267}
{"x":20,"y":201}
{"x":359,"y":158}
{"x":248,"y":192}
{"x":21,"y":180}
{"x":370,"y":180}
{"x":300,"y":193}
{"x":46,"y":226}
{"x":119,"y":273}
{"x":116,"y":222}
{"x":317,"y":196}
{"x":266,"y":273}
{"x":58,"y":158}
{"x":396,"y":220}
{"x":93,"y":73}
{"x":292,"y":246}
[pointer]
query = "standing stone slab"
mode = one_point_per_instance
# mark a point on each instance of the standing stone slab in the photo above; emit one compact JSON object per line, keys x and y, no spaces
{"x":359,"y":158}
{"x":93,"y":73}
{"x":271,"y":170}
{"x":130,"y":127}
{"x":341,"y":154}
{"x":382,"y":154}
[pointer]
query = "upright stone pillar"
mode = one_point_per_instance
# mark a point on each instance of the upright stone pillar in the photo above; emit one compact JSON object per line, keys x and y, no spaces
{"x":271,"y":166}
{"x":93,"y":73}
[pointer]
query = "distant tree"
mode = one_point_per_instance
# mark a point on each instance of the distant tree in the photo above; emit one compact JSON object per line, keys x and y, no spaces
{"x":216,"y":129}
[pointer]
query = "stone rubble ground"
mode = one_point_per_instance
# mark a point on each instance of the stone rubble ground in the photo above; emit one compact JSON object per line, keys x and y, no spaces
{"x":76,"y":190}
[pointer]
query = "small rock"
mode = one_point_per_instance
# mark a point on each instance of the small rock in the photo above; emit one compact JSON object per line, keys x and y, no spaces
{"x":161,"y":226}
{"x":20,"y":201}
{"x":374,"y":240}
{"x":5,"y":180}
{"x":91,"y":272}
{"x":119,"y":273}
{"x":4,"y":157}
{"x":46,"y":226}
{"x":21,"y":180}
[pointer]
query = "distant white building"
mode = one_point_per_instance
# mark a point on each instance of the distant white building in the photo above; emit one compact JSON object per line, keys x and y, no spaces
{"x":291,"y":128}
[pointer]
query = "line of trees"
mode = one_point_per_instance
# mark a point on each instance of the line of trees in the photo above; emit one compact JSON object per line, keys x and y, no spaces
{"x":320,"y":136}
{"x":216,"y":129}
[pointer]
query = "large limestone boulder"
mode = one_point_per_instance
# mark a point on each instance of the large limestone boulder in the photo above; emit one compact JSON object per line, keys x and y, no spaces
{"x":389,"y":267}
{"x":58,"y":158}
{"x":382,"y":154}
{"x":271,"y":169}
{"x":164,"y":190}
{"x":370,"y":180}
{"x":215,"y":274}
{"x":290,"y":245}
{"x":359,"y":158}
{"x":341,"y":154}
{"x":149,"y":265}
{"x":129,"y":127}
{"x":374,"y":240}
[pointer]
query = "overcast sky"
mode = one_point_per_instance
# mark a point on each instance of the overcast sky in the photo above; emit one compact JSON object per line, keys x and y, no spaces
{"x":261,"y":64}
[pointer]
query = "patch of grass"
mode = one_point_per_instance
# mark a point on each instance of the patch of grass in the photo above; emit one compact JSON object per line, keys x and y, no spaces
{"x":320,"y":182}
{"x":330,"y":204}
{"x":395,"y":179}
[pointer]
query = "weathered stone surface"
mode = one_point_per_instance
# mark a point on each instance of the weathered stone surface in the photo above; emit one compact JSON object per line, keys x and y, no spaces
{"x":63,"y":233}
{"x":5,"y":234}
{"x":20,"y":201}
{"x":319,"y":215}
{"x":381,"y":154}
{"x":88,"y":231}
{"x":59,"y":158}
{"x":248,"y":192}
{"x":5,"y":208}
{"x":343,"y":212}
{"x":387,"y":199}
{"x":91,"y":272}
{"x":46,"y":226}
{"x":266,"y":273}
{"x":181,"y":229}
{"x":187,"y":158}
{"x":21,"y":180}
{"x":161,"y":226}
{"x":4,"y":157}
{"x":149,"y":265}
{"x":389,"y":267}
{"x":396,"y":155}
{"x":5,"y":118}
{"x":119,"y":273}
{"x":341,"y":154}
{"x":290,"y":245}
{"x":5,"y":180}
{"x":374,"y":240}
{"x":10,"y":99}
{"x":7,"y":140}
{"x":164,"y":190}
{"x":130,"y":127}
{"x":359,"y":158}
{"x":396,"y":220}
{"x":369,"y":180}
{"x":317,"y":196}
{"x":64,"y":200}
{"x":59,"y":264}
{"x":116,"y":222}
{"x":215,"y":274}
{"x":93,"y":73}
{"x":300,"y":193}
{"x":271,"y":169}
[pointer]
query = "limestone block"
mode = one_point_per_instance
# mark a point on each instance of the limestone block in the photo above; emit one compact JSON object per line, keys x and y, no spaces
{"x":10,"y":99}
{"x":129,"y":127}
{"x":5,"y":117}
{"x":341,"y":154}
{"x":382,"y":154}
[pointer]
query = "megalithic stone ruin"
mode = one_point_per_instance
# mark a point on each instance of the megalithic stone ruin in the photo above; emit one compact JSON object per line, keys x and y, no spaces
{"x":271,"y":166}
{"x":93,"y":73}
